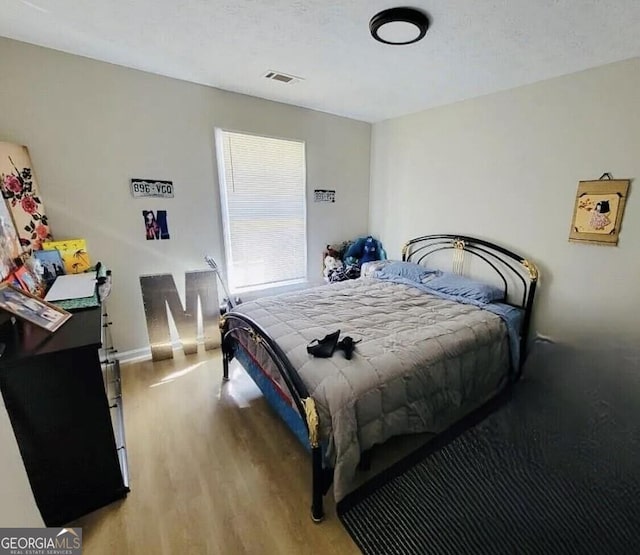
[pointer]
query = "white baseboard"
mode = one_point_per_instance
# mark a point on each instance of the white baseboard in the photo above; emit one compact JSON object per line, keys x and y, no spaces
{"x":135,"y":355}
{"x":144,"y":353}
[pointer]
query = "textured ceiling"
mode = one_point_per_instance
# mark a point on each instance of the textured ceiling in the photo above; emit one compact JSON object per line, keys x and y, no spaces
{"x":473,"y":47}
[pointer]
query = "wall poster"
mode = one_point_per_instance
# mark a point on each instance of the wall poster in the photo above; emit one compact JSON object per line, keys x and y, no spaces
{"x":156,"y":225}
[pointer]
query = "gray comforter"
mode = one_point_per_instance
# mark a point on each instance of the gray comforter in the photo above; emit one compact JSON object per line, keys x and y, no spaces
{"x":423,"y":363}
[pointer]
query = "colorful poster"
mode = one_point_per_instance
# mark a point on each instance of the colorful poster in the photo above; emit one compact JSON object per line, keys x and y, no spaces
{"x":73,"y":252}
{"x":20,"y":189}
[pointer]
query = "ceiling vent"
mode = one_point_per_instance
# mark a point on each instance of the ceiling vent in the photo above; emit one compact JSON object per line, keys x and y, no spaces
{"x":282,"y":77}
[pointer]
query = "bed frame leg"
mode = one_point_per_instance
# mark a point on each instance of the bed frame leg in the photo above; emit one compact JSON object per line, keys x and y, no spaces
{"x":224,"y":347}
{"x":225,"y":367}
{"x":317,"y":511}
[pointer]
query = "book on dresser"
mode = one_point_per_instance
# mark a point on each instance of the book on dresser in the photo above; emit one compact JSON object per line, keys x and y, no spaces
{"x":64,"y":400}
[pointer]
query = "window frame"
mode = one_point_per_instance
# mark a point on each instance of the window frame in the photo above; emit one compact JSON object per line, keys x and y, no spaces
{"x":224,"y":209}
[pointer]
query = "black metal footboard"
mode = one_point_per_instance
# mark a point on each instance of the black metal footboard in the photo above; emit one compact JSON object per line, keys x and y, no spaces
{"x":247,"y":328}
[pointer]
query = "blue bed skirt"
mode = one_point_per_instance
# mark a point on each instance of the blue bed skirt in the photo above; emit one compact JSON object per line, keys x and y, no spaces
{"x":288,"y":413}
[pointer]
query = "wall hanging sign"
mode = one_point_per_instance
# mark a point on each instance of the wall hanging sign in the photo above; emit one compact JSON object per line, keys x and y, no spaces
{"x":20,"y":189}
{"x":597,"y":215}
{"x":324,"y":195}
{"x":151,"y":188}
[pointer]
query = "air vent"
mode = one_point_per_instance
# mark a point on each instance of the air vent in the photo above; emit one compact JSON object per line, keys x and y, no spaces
{"x":282,"y":77}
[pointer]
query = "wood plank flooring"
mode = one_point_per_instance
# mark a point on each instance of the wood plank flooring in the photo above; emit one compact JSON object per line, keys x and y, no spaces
{"x":213,"y":470}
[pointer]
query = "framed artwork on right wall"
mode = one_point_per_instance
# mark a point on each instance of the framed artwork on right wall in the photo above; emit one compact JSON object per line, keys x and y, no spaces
{"x":598,"y":210}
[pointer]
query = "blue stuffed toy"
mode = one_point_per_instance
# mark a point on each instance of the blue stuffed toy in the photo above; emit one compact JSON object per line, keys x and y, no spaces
{"x":369,"y":250}
{"x":364,"y":249}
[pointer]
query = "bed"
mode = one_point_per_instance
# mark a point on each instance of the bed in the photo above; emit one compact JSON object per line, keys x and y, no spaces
{"x":426,"y":356}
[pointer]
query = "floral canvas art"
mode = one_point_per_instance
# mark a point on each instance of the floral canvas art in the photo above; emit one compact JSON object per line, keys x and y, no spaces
{"x":20,"y":190}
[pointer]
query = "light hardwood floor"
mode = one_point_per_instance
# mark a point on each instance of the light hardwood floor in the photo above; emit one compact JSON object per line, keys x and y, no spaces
{"x":212,"y":470}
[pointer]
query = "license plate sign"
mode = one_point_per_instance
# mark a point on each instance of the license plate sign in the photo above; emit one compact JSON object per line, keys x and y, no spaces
{"x":151,"y":188}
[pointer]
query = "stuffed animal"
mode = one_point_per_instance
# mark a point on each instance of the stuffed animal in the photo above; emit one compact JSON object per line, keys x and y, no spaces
{"x":331,"y":264}
{"x":369,"y":250}
{"x":364,"y":249}
{"x":332,"y":251}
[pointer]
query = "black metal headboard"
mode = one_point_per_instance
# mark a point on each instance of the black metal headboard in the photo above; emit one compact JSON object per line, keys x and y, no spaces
{"x":513,"y":271}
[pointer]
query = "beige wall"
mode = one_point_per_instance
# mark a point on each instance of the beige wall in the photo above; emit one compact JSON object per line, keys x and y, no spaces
{"x":91,"y":126}
{"x":17,"y":506}
{"x":505,"y":167}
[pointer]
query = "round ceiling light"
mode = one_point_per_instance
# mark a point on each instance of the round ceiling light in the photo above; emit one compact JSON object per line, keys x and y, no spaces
{"x":399,"y":26}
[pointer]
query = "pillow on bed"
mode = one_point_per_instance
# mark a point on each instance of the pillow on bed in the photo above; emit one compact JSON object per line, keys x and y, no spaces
{"x":460,"y":286}
{"x":406,"y":270}
{"x":370,"y":268}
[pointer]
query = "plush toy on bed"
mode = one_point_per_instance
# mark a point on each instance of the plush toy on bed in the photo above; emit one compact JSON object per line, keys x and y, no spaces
{"x":364,"y":250}
{"x":334,"y":251}
{"x":332,"y":265}
{"x":342,"y":262}
{"x":369,"y":250}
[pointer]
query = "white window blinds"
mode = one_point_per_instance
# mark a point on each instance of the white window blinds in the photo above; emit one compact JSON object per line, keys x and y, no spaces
{"x":262,"y":185}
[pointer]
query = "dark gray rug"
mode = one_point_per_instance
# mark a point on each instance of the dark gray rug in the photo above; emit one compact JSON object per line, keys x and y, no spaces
{"x":555,"y":469}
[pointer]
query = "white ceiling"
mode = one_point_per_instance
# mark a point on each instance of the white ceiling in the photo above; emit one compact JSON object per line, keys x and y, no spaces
{"x":473,"y":47}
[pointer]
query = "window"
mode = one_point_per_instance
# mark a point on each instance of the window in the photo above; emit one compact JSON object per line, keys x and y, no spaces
{"x":262,"y":188}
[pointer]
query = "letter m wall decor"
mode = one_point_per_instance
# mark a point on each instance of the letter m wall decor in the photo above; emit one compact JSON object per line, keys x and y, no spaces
{"x":159,"y":294}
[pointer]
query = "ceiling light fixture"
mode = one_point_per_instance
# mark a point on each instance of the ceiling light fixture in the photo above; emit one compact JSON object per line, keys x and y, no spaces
{"x":399,"y":26}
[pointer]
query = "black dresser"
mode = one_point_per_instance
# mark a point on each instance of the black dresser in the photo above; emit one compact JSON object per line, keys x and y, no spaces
{"x":62,"y":393}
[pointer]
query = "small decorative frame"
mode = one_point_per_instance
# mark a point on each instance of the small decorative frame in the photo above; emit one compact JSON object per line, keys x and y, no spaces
{"x":32,"y":309}
{"x":597,"y":215}
{"x":27,"y":281}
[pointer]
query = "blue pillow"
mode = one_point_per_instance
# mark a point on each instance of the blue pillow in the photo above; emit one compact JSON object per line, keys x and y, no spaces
{"x":406,"y":270}
{"x":460,"y":286}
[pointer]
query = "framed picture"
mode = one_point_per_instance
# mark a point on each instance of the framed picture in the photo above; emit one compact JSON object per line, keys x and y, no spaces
{"x":597,"y":215}
{"x":32,"y":309}
{"x":13,"y":280}
{"x":9,"y":243}
{"x":52,"y":264}
{"x":26,"y":280}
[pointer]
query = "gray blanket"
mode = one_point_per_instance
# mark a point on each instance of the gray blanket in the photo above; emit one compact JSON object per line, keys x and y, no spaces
{"x":423,"y":363}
